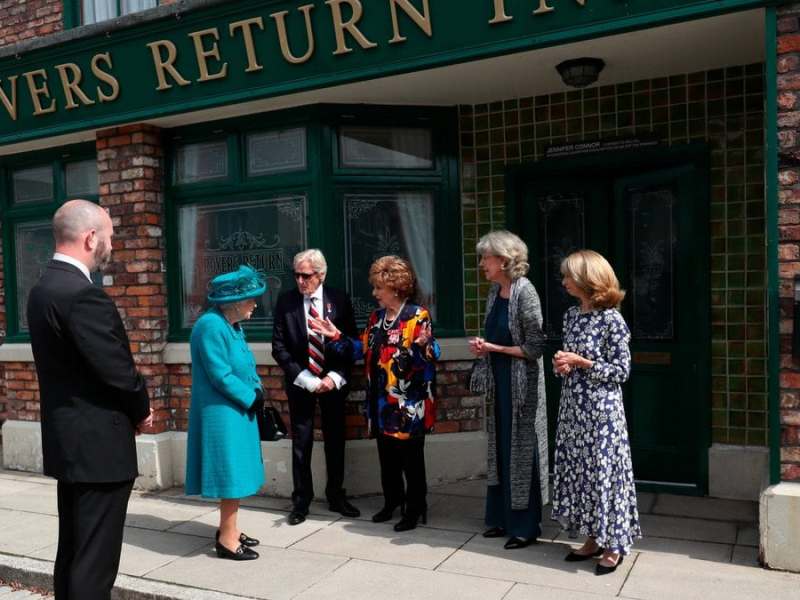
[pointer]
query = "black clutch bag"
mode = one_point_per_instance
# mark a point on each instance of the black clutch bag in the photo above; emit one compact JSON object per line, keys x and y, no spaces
{"x":271,"y":427}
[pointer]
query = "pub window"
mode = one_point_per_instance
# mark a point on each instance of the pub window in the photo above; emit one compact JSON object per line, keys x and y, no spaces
{"x":94,"y":11}
{"x":33,"y":187}
{"x":358,"y":186}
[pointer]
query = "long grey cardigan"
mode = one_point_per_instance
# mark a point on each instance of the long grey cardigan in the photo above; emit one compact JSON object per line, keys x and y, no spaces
{"x":529,"y":414}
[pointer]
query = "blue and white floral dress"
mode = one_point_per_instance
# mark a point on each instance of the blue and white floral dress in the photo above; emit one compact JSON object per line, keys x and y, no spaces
{"x":594,"y":491}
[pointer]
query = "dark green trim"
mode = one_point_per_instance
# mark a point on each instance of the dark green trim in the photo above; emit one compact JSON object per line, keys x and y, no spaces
{"x":11,"y":215}
{"x":773,"y":276}
{"x":366,"y":66}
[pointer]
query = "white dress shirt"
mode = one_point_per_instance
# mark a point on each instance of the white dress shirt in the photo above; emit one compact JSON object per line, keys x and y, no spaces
{"x":74,"y":262}
{"x":306,"y":379}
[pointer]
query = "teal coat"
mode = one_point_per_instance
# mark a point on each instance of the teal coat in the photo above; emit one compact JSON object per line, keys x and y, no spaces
{"x":223,"y":458}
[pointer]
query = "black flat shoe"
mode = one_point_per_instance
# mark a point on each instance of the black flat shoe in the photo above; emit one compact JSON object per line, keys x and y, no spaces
{"x":344,"y":508}
{"x":241,"y":553}
{"x":409,"y":520}
{"x":243,"y":539}
{"x":494,"y":532}
{"x":296,"y":517}
{"x":387,"y":512}
{"x":604,"y":570}
{"x":575,"y":557}
{"x":517,"y":542}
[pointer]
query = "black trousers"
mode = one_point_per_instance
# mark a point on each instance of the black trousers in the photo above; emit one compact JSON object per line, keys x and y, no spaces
{"x":403,"y":458}
{"x":301,"y":412}
{"x":91,"y":521}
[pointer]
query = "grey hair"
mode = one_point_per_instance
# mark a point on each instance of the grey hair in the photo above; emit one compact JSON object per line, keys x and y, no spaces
{"x":509,"y":247}
{"x":313,"y":256}
{"x":75,"y":218}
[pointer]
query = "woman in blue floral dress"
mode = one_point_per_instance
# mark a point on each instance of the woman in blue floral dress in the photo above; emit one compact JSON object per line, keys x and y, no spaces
{"x":594,"y":491}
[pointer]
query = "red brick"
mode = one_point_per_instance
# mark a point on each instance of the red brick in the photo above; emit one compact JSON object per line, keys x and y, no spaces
{"x":788,"y":43}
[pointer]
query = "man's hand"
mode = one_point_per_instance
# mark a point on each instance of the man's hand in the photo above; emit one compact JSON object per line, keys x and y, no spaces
{"x":325,"y":385}
{"x":145,"y":423}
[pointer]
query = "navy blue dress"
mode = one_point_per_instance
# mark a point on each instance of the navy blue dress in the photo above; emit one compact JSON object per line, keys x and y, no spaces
{"x":519,"y":523}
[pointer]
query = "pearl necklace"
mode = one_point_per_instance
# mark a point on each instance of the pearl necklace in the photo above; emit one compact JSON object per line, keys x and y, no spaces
{"x":387,"y":325}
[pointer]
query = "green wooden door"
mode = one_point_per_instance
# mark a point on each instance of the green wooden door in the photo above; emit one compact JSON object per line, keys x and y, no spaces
{"x":652,"y":225}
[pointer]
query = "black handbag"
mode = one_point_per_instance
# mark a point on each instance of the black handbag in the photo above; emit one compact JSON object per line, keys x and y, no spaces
{"x":271,"y":427}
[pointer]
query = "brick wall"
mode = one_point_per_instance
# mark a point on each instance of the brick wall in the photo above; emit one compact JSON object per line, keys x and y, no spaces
{"x":130,"y":167}
{"x":789,"y":229}
{"x":25,"y":19}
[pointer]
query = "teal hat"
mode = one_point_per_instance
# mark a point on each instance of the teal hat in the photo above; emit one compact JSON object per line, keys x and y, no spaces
{"x":237,"y":285}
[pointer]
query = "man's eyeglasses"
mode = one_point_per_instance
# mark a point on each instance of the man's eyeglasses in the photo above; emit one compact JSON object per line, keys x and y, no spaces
{"x":303,"y":276}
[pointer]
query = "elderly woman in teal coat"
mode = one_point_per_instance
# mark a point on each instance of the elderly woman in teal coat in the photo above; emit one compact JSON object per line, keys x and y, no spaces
{"x":224,"y":449}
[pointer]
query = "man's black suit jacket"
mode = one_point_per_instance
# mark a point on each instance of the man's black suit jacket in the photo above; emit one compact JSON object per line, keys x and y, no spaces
{"x":92,"y":397}
{"x":290,"y":332}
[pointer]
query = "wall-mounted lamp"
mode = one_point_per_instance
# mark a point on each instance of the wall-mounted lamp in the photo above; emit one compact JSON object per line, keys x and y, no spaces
{"x":796,"y":328}
{"x":580,"y":72}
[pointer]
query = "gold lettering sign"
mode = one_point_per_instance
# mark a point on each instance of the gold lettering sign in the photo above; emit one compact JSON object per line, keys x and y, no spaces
{"x":247,"y":33}
{"x":71,"y":76}
{"x":283,"y":36}
{"x":203,"y":54}
{"x":340,"y":26}
{"x":500,"y":15}
{"x":165,"y":65}
{"x":422,"y":20}
{"x":10,"y":103}
{"x":39,"y":91}
{"x":105,"y":77}
{"x":543,"y":8}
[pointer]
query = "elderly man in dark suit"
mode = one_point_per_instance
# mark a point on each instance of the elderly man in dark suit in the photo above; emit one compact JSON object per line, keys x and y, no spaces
{"x":93,"y":402}
{"x":312,"y":373}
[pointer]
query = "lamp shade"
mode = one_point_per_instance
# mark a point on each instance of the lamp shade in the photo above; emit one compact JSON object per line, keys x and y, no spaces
{"x":580,"y":72}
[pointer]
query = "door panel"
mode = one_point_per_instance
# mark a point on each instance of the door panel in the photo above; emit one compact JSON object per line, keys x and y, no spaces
{"x":652,"y":227}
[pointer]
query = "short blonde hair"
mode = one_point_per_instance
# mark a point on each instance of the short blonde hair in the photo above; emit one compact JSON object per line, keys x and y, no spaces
{"x":507,"y":246}
{"x":315,"y":258}
{"x":394,"y":273}
{"x":595,"y":277}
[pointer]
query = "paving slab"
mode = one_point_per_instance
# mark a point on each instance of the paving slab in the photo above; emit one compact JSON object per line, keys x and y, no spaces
{"x":265,"y":502}
{"x":14,"y":486}
{"x":524,"y":591}
{"x":32,"y":498}
{"x":24,"y":533}
{"x":696,"y":550}
{"x":473,"y":488}
{"x":422,"y":547}
{"x":645,"y":502}
{"x":278,"y":574}
{"x":699,"y":530}
{"x":659,"y":577}
{"x":535,"y":564}
{"x":363,"y":580}
{"x":154,"y":512}
{"x":745,"y":555}
{"x":714,"y":509}
{"x":269,"y":527}
{"x":144,"y":550}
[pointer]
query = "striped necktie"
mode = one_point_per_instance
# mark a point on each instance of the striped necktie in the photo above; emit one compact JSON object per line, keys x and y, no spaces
{"x":316,"y":345}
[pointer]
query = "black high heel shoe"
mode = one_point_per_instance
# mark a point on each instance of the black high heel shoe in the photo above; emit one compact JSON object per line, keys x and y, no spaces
{"x":604,"y":570}
{"x":241,"y":553}
{"x":575,"y":557}
{"x":243,"y":539}
{"x":409,"y":520}
{"x":387,"y":512}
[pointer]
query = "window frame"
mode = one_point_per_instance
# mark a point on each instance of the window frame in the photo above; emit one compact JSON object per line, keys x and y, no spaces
{"x":73,"y":17}
{"x":324,"y":185}
{"x":11,"y":215}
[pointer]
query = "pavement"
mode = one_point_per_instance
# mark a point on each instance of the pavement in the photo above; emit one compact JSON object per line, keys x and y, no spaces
{"x":695,"y":548}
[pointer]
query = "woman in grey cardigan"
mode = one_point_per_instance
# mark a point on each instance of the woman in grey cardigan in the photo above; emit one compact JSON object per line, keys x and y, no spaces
{"x":509,"y":371}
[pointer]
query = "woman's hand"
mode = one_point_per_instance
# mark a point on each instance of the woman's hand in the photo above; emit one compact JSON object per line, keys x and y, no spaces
{"x":477,"y":346}
{"x":564,"y":362}
{"x":425,"y":335}
{"x":325,"y":328}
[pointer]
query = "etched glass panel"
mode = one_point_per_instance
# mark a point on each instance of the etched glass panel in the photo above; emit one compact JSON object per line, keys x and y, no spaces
{"x":381,"y":224}
{"x":201,"y":162}
{"x":81,"y":178}
{"x":652,"y":261}
{"x":33,"y":185}
{"x":276,"y":151}
{"x":217,"y":238}
{"x":33,"y":249}
{"x":561,"y":232}
{"x":385,"y":148}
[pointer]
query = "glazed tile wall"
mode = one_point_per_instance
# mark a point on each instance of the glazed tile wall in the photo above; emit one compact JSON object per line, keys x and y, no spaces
{"x":724,"y":108}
